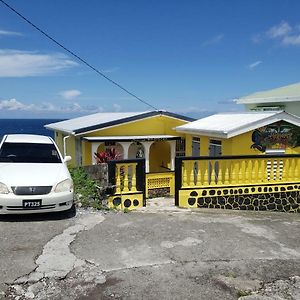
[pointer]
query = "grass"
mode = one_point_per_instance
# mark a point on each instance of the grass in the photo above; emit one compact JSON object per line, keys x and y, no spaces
{"x":231,"y":274}
{"x":243,"y":293}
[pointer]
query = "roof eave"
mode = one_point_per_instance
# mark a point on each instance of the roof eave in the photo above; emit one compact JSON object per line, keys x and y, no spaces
{"x":281,"y":116}
{"x":60,"y":130}
{"x":210,"y":133}
{"x":267,"y":100}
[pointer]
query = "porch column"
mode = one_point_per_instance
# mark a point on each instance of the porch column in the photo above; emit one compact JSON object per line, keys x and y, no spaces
{"x":125,"y":146}
{"x":147,"y":146}
{"x":94,"y":149}
{"x":173,"y":154}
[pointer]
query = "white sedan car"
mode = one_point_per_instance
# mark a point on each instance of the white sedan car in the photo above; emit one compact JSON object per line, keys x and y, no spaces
{"x":34,"y":177}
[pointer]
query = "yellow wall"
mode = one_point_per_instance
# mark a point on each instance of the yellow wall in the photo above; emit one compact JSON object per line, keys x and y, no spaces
{"x":59,"y":141}
{"x":150,"y":126}
{"x":157,"y":125}
{"x":159,"y":157}
{"x":70,"y":146}
{"x":238,"y":145}
{"x":86,"y":153}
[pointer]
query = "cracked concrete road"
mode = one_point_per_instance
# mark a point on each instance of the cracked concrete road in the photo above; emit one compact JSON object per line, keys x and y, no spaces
{"x":207,"y":254}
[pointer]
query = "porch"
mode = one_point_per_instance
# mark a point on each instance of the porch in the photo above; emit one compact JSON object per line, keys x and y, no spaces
{"x":159,"y":151}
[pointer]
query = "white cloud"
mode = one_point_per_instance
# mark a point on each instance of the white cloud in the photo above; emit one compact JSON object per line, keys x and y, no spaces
{"x":192,"y":109}
{"x":254,"y":65}
{"x":214,"y":40}
{"x":70,"y":94}
{"x":282,"y":29}
{"x":283,"y":32}
{"x":257,"y":38}
{"x":14,"y":105}
{"x":117,"y":107}
{"x":9,"y":33}
{"x":15,"y":63}
{"x":292,"y":40}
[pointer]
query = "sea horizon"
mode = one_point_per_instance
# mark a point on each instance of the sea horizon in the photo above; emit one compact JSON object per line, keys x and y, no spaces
{"x":26,"y":126}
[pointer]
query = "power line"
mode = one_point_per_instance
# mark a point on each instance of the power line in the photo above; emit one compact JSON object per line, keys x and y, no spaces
{"x":77,"y":56}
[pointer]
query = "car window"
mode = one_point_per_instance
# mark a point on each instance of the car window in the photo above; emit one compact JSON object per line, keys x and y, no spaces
{"x":29,"y":153}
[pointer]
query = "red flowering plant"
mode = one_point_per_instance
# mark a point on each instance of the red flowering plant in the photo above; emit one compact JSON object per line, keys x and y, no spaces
{"x":107,"y":155}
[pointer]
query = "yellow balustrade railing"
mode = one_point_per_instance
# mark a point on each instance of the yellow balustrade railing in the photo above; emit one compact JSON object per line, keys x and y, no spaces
{"x":159,"y":181}
{"x":126,"y":178}
{"x":243,"y":170}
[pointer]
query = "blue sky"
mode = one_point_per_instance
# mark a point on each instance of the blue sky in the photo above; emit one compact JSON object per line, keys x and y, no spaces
{"x":190,"y":57}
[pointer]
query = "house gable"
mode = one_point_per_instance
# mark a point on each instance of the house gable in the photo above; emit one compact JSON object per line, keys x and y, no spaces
{"x":90,"y":123}
{"x":155,"y":125}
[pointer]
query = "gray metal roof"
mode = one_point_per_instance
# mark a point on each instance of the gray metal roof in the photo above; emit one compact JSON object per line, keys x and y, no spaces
{"x":288,"y":93}
{"x":227,"y":125}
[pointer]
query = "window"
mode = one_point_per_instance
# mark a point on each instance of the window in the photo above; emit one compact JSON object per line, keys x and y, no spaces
{"x":268,"y":108}
{"x":29,"y":153}
{"x":180,"y":147}
{"x":195,"y":146}
{"x":215,"y":148}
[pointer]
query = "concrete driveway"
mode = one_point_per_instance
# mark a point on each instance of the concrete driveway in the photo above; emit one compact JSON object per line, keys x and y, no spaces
{"x":152,"y":254}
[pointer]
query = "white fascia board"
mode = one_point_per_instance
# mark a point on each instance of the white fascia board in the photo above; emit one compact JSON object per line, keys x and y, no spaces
{"x":209,"y":133}
{"x":59,"y":129}
{"x":267,"y":100}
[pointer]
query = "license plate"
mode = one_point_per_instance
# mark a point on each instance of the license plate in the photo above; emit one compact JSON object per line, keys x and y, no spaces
{"x":32,"y":204}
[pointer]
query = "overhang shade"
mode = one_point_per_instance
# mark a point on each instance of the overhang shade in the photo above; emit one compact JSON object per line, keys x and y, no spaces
{"x":130,"y":138}
{"x":227,"y":125}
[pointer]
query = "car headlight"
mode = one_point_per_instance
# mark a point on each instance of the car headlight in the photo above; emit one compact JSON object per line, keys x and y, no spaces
{"x":64,"y":186}
{"x":3,"y":188}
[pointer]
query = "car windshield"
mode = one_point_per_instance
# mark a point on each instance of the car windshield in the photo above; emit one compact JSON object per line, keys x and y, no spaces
{"x":29,"y":153}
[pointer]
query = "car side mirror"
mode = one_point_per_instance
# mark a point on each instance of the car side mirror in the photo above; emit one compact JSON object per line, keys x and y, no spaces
{"x":67,"y":158}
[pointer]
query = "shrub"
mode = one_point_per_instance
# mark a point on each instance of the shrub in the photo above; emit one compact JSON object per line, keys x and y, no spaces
{"x":86,"y":192}
{"x":107,"y":155}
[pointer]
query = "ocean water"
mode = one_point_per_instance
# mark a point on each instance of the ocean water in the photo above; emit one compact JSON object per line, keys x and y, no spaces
{"x":29,"y":126}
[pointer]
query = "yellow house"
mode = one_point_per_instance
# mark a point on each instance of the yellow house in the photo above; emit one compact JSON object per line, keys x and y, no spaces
{"x":150,"y":135}
{"x":244,"y":161}
{"x":243,"y":133}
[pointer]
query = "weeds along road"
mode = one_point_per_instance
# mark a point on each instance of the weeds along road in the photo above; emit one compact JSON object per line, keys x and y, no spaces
{"x":180,"y":254}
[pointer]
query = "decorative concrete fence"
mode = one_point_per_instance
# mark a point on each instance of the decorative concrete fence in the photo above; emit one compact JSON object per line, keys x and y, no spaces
{"x":127,"y":177}
{"x":160,"y":184}
{"x":261,"y":182}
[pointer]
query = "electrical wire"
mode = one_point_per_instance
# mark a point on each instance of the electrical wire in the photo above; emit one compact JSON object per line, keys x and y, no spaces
{"x":76,"y":55}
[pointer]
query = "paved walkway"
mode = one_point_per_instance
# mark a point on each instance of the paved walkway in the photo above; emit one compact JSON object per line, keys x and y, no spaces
{"x":162,"y":204}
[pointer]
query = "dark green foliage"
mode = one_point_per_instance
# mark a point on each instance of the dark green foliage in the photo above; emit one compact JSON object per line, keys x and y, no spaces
{"x":86,"y":192}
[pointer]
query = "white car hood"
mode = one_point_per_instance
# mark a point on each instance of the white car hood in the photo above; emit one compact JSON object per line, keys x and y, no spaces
{"x":32,"y":174}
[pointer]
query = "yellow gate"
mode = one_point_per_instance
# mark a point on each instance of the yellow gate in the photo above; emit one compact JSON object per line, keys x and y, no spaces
{"x":127,"y":177}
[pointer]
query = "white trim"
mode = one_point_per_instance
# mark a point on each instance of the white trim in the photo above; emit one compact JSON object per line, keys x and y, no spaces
{"x":275,"y":151}
{"x":267,"y":100}
{"x":130,"y":137}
